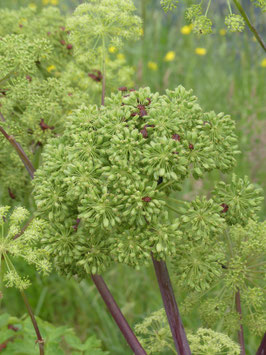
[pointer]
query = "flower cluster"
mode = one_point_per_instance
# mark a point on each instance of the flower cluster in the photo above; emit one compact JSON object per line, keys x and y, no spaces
{"x":16,"y":242}
{"x":107,"y":23}
{"x":235,"y":23}
{"x":169,"y":5}
{"x":155,"y":335}
{"x":112,"y":171}
{"x":240,"y":200}
{"x":200,"y":21}
{"x":41,"y":83}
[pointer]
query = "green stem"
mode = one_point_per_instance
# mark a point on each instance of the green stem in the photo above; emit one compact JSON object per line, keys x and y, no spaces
{"x":173,"y":209}
{"x":175,"y":200}
{"x":229,"y":7}
{"x":103,"y":73}
{"x":208,"y":6}
{"x":249,"y":24}
{"x":241,"y":331}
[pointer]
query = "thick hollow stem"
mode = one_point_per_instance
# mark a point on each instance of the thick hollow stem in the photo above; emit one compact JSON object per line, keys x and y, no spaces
{"x":240,"y":332}
{"x":262,"y":347}
{"x":34,"y":322}
{"x":117,"y":315}
{"x":249,"y":24}
{"x":170,"y":305}
{"x":20,"y":152}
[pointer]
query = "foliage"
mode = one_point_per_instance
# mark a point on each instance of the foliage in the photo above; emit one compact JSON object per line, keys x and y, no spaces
{"x":18,"y":337}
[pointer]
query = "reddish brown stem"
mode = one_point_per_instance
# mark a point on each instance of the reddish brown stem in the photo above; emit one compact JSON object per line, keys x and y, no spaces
{"x":262,"y":347}
{"x":117,"y":315}
{"x":20,"y":152}
{"x":40,"y":340}
{"x":241,"y":331}
{"x":103,"y":89}
{"x":171,"y":308}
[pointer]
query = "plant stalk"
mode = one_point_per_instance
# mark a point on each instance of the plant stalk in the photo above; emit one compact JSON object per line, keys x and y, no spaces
{"x":40,"y":340}
{"x":249,"y":24}
{"x":20,"y":152}
{"x":262,"y":347}
{"x":241,"y":331}
{"x":103,"y":73}
{"x":117,"y":315}
{"x":171,"y":308}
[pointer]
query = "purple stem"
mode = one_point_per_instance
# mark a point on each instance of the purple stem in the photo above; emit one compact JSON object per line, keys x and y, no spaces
{"x":40,"y":340}
{"x":20,"y":152}
{"x":240,"y":332}
{"x":117,"y":315}
{"x":262,"y":347}
{"x":170,"y":305}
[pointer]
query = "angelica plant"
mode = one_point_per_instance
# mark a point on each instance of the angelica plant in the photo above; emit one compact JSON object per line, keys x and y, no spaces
{"x":16,"y":242}
{"x":40,"y":84}
{"x":155,"y":335}
{"x":197,"y":15}
{"x":93,"y":28}
{"x":111,"y":174}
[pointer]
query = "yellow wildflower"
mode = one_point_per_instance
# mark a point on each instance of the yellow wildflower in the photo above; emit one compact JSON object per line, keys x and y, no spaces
{"x":200,"y":51}
{"x":32,"y":6}
{"x":153,"y":66}
{"x":185,"y":30}
{"x":120,"y":56}
{"x":54,"y":2}
{"x":263,"y":63}
{"x":45,"y":2}
{"x":112,"y":49}
{"x":222,"y":32}
{"x":170,"y":56}
{"x":51,"y":68}
{"x":141,"y":31}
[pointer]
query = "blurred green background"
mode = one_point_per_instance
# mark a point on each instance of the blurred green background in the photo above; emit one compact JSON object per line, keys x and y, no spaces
{"x":227,"y":73}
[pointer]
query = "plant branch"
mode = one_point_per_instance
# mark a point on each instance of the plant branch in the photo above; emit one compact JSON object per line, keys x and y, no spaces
{"x":20,"y":152}
{"x":104,"y":73}
{"x":117,"y":315}
{"x":262,"y":347}
{"x":240,"y":332}
{"x":249,"y":24}
{"x":171,"y":308}
{"x":2,"y":117}
{"x":34,"y":322}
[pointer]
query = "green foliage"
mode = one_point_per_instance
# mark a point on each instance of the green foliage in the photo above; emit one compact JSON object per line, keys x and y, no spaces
{"x":17,"y":243}
{"x":18,"y":337}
